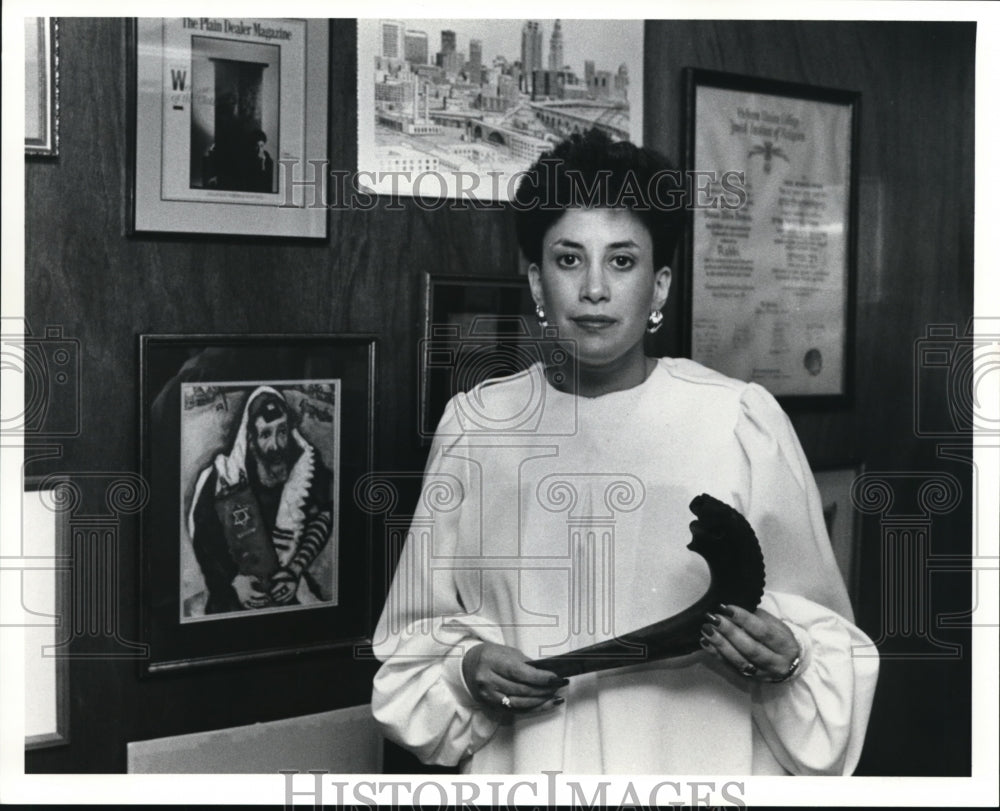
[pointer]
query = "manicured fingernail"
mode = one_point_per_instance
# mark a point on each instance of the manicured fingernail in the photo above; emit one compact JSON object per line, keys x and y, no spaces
{"x":713,"y":619}
{"x":725,"y":610}
{"x":704,"y":642}
{"x":557,"y":701}
{"x":707,"y":630}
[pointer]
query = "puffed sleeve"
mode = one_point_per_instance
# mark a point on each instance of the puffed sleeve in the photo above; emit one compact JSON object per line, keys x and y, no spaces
{"x":815,"y":722}
{"x":419,"y":696}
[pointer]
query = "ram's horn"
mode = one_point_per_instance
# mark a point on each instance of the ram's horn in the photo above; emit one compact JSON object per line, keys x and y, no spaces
{"x":736,"y":567}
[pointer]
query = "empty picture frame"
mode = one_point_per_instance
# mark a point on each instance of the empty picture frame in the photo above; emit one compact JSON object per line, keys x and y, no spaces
{"x":41,"y":86}
{"x":45,"y":588}
{"x":843,"y":520}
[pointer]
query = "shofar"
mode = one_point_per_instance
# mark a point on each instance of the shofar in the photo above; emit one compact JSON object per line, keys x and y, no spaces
{"x":736,"y":567}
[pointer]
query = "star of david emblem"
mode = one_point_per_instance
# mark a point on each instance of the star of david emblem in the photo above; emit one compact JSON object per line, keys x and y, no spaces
{"x":241,"y":517}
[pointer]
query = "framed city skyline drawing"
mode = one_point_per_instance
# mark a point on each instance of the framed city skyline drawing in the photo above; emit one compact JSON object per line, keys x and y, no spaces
{"x":458,"y":108}
{"x":771,"y":289}
{"x":252,"y":545}
{"x":229,"y":123}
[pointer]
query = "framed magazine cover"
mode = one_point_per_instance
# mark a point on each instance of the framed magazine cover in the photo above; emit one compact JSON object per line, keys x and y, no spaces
{"x":252,"y":545}
{"x":228,"y":126}
{"x":772,"y":259}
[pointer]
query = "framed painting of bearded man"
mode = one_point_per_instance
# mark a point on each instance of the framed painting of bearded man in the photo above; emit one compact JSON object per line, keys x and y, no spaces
{"x":252,"y":545}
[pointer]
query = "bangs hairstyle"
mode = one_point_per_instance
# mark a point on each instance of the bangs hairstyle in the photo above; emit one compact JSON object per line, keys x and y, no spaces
{"x":592,"y":171}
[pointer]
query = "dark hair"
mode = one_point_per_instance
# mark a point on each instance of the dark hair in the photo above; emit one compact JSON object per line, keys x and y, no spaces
{"x":592,"y":171}
{"x":265,"y":405}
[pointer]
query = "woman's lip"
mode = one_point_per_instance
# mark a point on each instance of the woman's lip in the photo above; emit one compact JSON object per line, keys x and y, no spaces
{"x":593,"y":320}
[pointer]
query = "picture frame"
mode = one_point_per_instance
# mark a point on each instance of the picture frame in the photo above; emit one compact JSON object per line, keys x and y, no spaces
{"x":843,"y":519}
{"x":771,"y":242}
{"x":252,"y":445}
{"x":435,"y":125}
{"x":475,"y":328}
{"x":45,"y":597}
{"x":228,"y":126}
{"x":41,"y":86}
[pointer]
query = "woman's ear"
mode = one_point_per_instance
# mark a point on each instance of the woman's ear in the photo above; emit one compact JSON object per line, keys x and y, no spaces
{"x":535,"y":282}
{"x":661,"y":287}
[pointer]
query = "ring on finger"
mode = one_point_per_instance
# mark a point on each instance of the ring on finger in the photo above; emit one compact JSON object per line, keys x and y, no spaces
{"x":749,"y":670}
{"x":792,"y":667}
{"x":505,"y":700}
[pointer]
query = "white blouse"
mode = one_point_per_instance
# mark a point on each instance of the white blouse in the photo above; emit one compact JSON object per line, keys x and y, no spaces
{"x":548,"y":522}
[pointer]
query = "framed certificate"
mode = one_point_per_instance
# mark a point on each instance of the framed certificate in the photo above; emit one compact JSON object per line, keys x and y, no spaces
{"x":772,"y":258}
{"x":229,"y":126}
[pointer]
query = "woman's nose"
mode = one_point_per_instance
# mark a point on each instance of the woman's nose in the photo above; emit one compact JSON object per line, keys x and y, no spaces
{"x":595,"y":286}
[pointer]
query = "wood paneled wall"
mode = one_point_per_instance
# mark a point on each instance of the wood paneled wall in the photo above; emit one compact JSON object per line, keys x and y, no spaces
{"x":105,"y":289}
{"x":915,"y":221}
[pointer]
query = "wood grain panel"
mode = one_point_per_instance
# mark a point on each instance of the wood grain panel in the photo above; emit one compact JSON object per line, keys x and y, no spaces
{"x":916,"y":151}
{"x":105,"y":289}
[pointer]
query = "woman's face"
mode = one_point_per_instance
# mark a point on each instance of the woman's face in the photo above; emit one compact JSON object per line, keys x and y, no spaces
{"x":597,"y":284}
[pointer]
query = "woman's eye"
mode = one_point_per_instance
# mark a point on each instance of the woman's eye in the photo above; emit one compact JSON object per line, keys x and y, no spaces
{"x":622,"y":261}
{"x":568,"y":260}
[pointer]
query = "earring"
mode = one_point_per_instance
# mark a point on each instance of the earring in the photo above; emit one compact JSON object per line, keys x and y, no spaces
{"x":655,"y":321}
{"x":540,"y":315}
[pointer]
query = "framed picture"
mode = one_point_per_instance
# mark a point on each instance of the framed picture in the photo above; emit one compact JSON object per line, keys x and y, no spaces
{"x":459,"y":108}
{"x":41,"y":85}
{"x":45,"y":598}
{"x":476,"y":328}
{"x":843,"y":520}
{"x":252,"y":545}
{"x":229,"y":125}
{"x":771,"y":244}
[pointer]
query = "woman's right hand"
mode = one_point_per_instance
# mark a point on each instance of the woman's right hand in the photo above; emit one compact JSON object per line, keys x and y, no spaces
{"x":495,"y":672}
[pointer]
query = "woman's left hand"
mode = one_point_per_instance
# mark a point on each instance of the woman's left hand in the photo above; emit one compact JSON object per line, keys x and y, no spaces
{"x":757,"y":645}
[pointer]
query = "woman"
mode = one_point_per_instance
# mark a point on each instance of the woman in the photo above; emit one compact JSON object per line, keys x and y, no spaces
{"x":555,"y":515}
